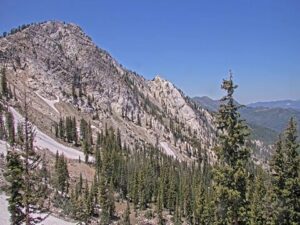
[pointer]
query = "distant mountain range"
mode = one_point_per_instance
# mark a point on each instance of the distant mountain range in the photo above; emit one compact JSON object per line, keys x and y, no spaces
{"x":285,"y":104}
{"x":266,"y":119}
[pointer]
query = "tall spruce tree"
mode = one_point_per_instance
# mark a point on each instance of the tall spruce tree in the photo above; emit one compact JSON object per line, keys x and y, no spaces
{"x":2,"y":126}
{"x":3,"y":83}
{"x":14,"y":176}
{"x":292,"y":172}
{"x":10,"y":128}
{"x":104,"y":201}
{"x":61,"y":176}
{"x":258,"y":206}
{"x":285,"y":167}
{"x":200,"y":208}
{"x":230,"y":175}
{"x":278,"y":180}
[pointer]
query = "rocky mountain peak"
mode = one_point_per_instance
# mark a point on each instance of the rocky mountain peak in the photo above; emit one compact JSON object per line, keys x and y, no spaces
{"x":67,"y":74}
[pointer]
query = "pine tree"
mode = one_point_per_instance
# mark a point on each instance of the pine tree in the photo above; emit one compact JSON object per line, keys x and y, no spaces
{"x":142,"y":190}
{"x":98,"y":160}
{"x":10,"y":128}
{"x":56,"y":130}
{"x":292,"y":194}
{"x":285,"y":167}
{"x":91,"y":199}
{"x":111,"y":200}
{"x":83,"y":129}
{"x":258,"y":202}
{"x":44,"y":176}
{"x":69,"y":129}
{"x":104,"y":202}
{"x":80,"y":183}
{"x":135,"y":191}
{"x":14,"y":176}
{"x":74,"y":131}
{"x":90,"y":134}
{"x":230,"y":176}
{"x":61,"y":128}
{"x":88,"y":203}
{"x":119,"y":140}
{"x":86,"y":150}
{"x":2,"y":127}
{"x":61,"y":176}
{"x":200,"y":207}
{"x":160,"y":205}
{"x":171,"y":193}
{"x":3,"y":84}
{"x":73,"y":200}
{"x":189,"y":204}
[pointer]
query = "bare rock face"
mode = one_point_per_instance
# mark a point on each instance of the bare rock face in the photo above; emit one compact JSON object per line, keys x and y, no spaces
{"x":67,"y":74}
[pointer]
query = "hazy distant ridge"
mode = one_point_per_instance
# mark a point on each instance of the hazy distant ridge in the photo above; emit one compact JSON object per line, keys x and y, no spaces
{"x":286,"y":104}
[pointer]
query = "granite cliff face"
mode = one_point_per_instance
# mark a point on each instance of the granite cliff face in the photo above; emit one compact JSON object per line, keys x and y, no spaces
{"x":66,"y":74}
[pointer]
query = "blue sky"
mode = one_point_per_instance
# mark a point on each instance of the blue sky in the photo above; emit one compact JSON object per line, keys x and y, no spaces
{"x":191,"y":43}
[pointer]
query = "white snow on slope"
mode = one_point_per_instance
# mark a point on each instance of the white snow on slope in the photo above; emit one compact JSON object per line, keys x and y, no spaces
{"x":51,"y":103}
{"x":5,"y":215}
{"x":43,"y":141}
{"x":167,"y":149}
{"x":3,"y":148}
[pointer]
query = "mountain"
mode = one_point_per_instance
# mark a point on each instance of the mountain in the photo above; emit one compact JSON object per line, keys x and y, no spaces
{"x":208,"y":103}
{"x":285,"y":104}
{"x":107,"y":138}
{"x":66,"y":74}
{"x":266,"y":123}
{"x":272,"y":118}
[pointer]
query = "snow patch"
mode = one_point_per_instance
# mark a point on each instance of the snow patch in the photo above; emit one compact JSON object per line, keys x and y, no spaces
{"x":3,"y":149}
{"x":51,"y":103}
{"x":5,"y":215}
{"x":43,"y":141}
{"x":167,"y":149}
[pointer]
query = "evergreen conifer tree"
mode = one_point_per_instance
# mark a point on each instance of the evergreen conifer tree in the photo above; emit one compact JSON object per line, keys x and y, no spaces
{"x":10,"y":128}
{"x":61,"y":176}
{"x":285,"y":167}
{"x":14,"y":176}
{"x":230,"y":175}
{"x":2,"y":126}
{"x":3,"y":85}
{"x":258,"y":202}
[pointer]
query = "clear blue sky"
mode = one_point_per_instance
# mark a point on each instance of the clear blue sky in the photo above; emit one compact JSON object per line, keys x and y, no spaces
{"x":191,"y":43}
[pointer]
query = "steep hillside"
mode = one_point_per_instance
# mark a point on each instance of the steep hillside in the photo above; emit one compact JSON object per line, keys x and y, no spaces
{"x":66,"y":74}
